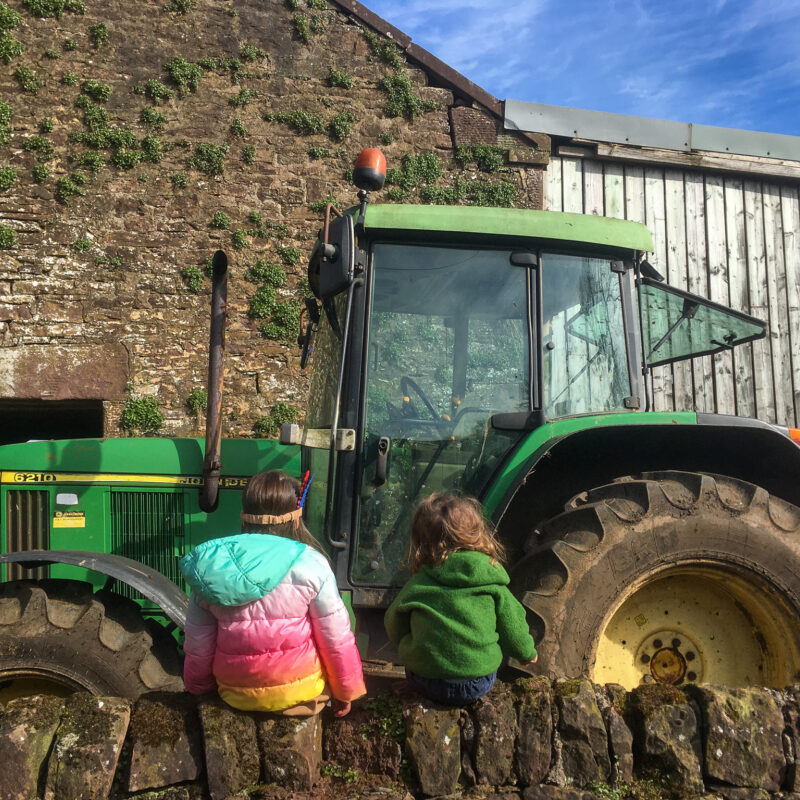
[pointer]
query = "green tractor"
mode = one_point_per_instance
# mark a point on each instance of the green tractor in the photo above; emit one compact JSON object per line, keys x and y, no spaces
{"x":499,"y":352}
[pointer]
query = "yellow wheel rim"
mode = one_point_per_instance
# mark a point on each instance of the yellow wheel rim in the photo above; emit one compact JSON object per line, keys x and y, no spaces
{"x":699,"y":624}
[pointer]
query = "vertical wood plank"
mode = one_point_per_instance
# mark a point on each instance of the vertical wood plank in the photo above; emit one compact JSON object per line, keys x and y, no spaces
{"x":675,"y":208}
{"x":696,"y":260}
{"x":778,"y":311}
{"x":593,"y":188}
{"x":790,"y":219}
{"x":759,"y":301}
{"x":572,"y":176}
{"x":655,"y":217}
{"x":614,"y":191}
{"x":716,"y":245}
{"x":552,"y":186}
{"x":634,"y":194}
{"x":738,"y":296}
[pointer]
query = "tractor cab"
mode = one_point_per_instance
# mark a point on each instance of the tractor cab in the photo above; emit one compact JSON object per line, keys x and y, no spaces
{"x":449,"y":334}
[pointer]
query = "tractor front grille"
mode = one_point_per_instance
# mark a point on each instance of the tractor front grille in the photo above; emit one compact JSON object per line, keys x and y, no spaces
{"x":27,"y":528}
{"x":149,"y":527}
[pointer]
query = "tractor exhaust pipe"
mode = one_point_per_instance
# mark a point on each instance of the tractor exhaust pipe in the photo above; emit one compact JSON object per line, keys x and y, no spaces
{"x":209,"y":492}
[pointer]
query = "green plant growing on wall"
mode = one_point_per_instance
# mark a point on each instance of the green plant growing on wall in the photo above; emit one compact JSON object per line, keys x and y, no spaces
{"x":262,"y":302}
{"x":155,"y":90}
{"x":46,"y":125}
{"x":8,"y":238}
{"x":52,"y":54}
{"x":220,"y":220}
{"x":238,"y":129}
{"x":344,"y":774}
{"x":319,"y":5}
{"x":401,"y":100}
{"x":98,"y":34}
{"x":318,"y":206}
{"x":67,"y":188}
{"x":91,"y":160}
{"x":70,"y":45}
{"x":339,"y":79}
{"x":250,"y":52}
{"x":40,"y":173}
{"x":316,"y":152}
{"x":384,"y":50}
{"x":339,"y":126}
{"x":81,"y":244}
{"x":180,"y":6}
{"x":42,"y":146}
{"x":426,"y":168}
{"x":474,"y":193}
{"x":28,"y":80}
{"x":488,"y":158}
{"x":6,"y":112}
{"x":239,"y":239}
{"x":125,"y":159}
{"x":249,"y":154}
{"x":8,"y":177}
{"x":208,"y":158}
{"x":99,"y":92}
{"x":194,"y":278}
{"x":302,"y":29}
{"x":267,"y":273}
{"x":184,"y":74}
{"x":292,"y":5}
{"x":152,"y":151}
{"x":179,"y":180}
{"x":270,"y":425}
{"x":289,"y":255}
{"x":69,"y":79}
{"x":327,"y":101}
{"x":111,"y":261}
{"x":245,"y":97}
{"x":255,"y":218}
{"x":301,"y":122}
{"x":152,"y":118}
{"x":197,"y":401}
{"x":54,"y":8}
{"x":10,"y":47}
{"x":284,"y":322}
{"x":386,"y":138}
{"x":142,"y":415}
{"x":317,"y":23}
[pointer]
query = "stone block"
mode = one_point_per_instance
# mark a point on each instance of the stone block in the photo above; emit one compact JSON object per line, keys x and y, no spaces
{"x":164,"y":741}
{"x":667,"y":738}
{"x":743,"y":737}
{"x":231,"y":748}
{"x":584,"y":742}
{"x":433,"y":745}
{"x":534,"y":748}
{"x":495,"y":728}
{"x":27,"y":727}
{"x":356,"y":741}
{"x":291,"y":749}
{"x":87,"y":746}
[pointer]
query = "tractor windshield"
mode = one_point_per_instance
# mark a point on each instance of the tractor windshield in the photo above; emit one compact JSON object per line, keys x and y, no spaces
{"x":448,"y":348}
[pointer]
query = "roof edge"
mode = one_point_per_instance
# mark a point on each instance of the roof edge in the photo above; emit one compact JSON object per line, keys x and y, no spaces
{"x":449,"y":77}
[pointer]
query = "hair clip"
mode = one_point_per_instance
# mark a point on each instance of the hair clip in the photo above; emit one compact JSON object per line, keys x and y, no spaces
{"x":304,"y":489}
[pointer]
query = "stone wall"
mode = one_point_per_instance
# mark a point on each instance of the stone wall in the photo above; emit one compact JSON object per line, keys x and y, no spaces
{"x":526,"y":740}
{"x":128,"y":126}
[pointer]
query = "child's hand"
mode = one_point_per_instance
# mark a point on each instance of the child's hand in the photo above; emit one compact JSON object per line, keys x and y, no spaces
{"x":340,"y":708}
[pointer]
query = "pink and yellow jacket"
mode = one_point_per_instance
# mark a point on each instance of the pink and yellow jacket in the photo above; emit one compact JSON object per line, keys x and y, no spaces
{"x":266,"y":624}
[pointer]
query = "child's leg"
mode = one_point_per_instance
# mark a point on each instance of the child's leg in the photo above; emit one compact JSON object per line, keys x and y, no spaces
{"x":451,"y":692}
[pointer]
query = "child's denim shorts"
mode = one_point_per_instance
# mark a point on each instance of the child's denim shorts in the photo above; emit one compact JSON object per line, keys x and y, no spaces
{"x":451,"y":692}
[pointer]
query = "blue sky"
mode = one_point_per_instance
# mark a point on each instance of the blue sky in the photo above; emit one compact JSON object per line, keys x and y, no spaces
{"x":734,"y":63}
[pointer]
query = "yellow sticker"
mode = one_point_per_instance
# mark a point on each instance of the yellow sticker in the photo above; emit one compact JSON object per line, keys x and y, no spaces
{"x":69,"y":519}
{"x":640,"y":620}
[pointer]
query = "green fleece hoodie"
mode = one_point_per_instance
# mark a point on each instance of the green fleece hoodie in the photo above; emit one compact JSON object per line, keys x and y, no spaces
{"x":459,"y":619}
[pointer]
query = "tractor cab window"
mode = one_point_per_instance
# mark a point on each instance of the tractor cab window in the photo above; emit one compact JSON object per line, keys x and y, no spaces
{"x":448,"y":347}
{"x":584,"y":361}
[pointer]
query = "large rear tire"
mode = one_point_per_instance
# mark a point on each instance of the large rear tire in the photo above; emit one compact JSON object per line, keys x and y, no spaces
{"x":59,"y":634}
{"x":672,"y":577}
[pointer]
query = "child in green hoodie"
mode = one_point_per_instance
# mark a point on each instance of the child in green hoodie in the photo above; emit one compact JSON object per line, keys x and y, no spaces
{"x":455,"y":619}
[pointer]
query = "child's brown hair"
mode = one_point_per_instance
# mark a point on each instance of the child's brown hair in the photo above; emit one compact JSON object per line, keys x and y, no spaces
{"x":275,"y":493}
{"x":446,"y":523}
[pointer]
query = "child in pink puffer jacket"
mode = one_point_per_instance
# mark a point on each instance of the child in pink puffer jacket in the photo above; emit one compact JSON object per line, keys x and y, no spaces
{"x":266,"y":625}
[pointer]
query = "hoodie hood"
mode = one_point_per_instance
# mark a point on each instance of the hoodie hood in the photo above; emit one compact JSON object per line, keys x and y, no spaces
{"x":239,"y":569}
{"x":468,"y":568}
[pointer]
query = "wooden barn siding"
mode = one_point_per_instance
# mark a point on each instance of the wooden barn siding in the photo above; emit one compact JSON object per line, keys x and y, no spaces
{"x":733,"y":240}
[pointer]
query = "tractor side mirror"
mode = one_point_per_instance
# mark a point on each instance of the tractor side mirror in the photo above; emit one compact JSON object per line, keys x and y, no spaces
{"x":333,"y":262}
